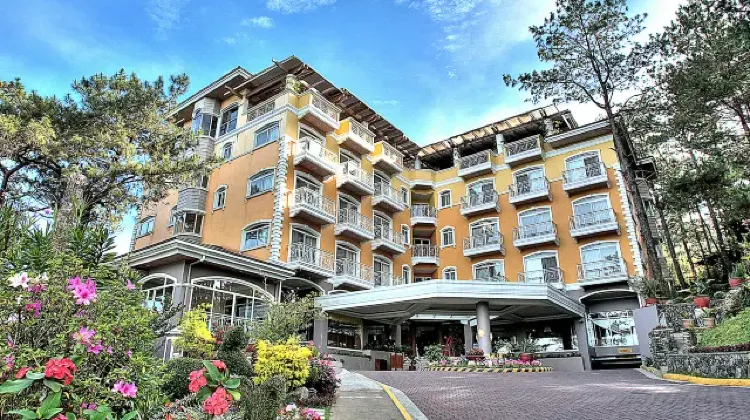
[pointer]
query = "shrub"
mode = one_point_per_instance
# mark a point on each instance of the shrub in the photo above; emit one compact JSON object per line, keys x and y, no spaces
{"x":285,"y":319}
{"x":262,"y":401}
{"x":732,"y":331}
{"x":178,"y":370}
{"x":288,"y":360}
{"x":195,"y":338}
{"x":722,"y":349}
{"x":232,"y":352}
{"x":322,"y":382}
{"x":434,"y":353}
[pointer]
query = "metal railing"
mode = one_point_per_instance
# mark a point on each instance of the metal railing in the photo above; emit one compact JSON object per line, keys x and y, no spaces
{"x":593,"y":218}
{"x":392,"y":153}
{"x":309,"y":145}
{"x":383,"y":278}
{"x":321,"y":103}
{"x":548,"y":276}
{"x":523,"y":145}
{"x":222,"y":322}
{"x":384,"y":190}
{"x":425,"y":251}
{"x":353,"y":219}
{"x":480,"y":241}
{"x":535,"y":230}
{"x":474,"y":160}
{"x":492,"y":279}
{"x":261,"y":110}
{"x":601,"y":269}
{"x":314,"y":199}
{"x":313,"y":256}
{"x":360,"y":130}
{"x":530,"y":186}
{"x":479,"y":199}
{"x":349,"y":268}
{"x":591,"y":170}
{"x":423,"y":210}
{"x":358,"y":174}
{"x":386,"y":234}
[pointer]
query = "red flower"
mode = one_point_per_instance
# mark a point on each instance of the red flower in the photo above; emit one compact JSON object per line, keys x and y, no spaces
{"x":219,"y":365}
{"x":60,"y":369}
{"x":60,"y":417}
{"x":218,"y":403}
{"x":22,"y":372}
{"x":197,"y":380}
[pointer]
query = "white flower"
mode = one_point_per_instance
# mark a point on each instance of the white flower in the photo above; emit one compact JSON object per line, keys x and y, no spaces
{"x":19,"y":280}
{"x":44,"y":277}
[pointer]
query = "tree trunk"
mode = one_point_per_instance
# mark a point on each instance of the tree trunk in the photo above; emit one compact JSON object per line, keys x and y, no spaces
{"x":670,"y":244}
{"x":688,"y":254}
{"x":699,"y":240}
{"x":706,"y":231}
{"x":720,"y":238}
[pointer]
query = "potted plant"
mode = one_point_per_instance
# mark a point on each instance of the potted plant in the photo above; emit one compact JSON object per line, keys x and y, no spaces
{"x":738,"y":275}
{"x":700,"y":289}
{"x":687,"y":320}
{"x":648,"y":288}
{"x":528,"y":347}
{"x":475,"y":354}
{"x":709,"y":317}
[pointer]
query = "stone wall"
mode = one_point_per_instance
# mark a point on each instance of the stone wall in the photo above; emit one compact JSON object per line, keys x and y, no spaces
{"x":713,"y":365}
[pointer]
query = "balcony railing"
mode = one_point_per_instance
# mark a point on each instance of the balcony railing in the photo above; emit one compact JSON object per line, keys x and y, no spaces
{"x":479,"y":200}
{"x":591,"y":170}
{"x":593,"y":218}
{"x":492,"y":279}
{"x":530,"y":186}
{"x":476,"y":159}
{"x":316,"y":200}
{"x":392,"y":153}
{"x":423,"y":210}
{"x":548,"y":276}
{"x":358,"y":174}
{"x":353,"y":219}
{"x":480,"y":241}
{"x":301,"y":253}
{"x":382,"y":232}
{"x":349,"y":268}
{"x":222,"y":322}
{"x":383,"y":278}
{"x":321,"y":103}
{"x":384,"y":190}
{"x":261,"y":110}
{"x":522,"y":146}
{"x":601,"y":270}
{"x":360,"y":130}
{"x":535,"y":230}
{"x":425,"y":251}
{"x":313,"y":147}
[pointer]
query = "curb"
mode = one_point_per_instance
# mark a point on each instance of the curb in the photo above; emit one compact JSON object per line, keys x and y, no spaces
{"x":490,"y":370}
{"x":696,"y":380}
{"x":408,"y":410}
{"x":397,"y":402}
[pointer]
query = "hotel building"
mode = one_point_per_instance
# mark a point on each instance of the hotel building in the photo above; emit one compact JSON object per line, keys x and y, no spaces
{"x":520,"y":229}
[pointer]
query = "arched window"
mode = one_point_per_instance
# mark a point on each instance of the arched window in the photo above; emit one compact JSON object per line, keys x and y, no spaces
{"x":535,"y":222}
{"x":592,"y":210}
{"x":582,"y":166}
{"x":267,"y":134}
{"x":601,"y":260}
{"x":146,"y":226}
{"x":493,"y":271}
{"x":383,"y":271}
{"x":158,"y":291}
{"x":529,"y":180}
{"x":226,"y":150}
{"x":405,"y":234}
{"x":255,"y":236}
{"x":220,"y":197}
{"x":405,"y":195}
{"x":406,"y":274}
{"x":541,"y":267}
{"x":229,"y":119}
{"x":449,"y":273}
{"x":447,"y":237}
{"x":260,"y":183}
{"x":232,"y":302}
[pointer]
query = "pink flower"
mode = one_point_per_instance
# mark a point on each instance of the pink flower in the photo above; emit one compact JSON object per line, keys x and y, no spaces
{"x":130,"y":285}
{"x":74,"y":283}
{"x":218,"y":403}
{"x":19,"y":280}
{"x":60,"y":417}
{"x":95,"y":348}
{"x":128,"y":390}
{"x":109,"y":350}
{"x":85,"y":293}
{"x":84,"y":336}
{"x":197,"y":380}
{"x":220,"y":366}
{"x":22,"y":372}
{"x":35,"y":307}
{"x":129,"y":353}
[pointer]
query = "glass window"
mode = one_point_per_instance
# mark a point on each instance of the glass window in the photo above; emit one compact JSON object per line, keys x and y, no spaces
{"x":583,"y":166}
{"x":535,"y":223}
{"x":541,"y":268}
{"x":449,"y":274}
{"x":158,"y":293}
{"x":146,"y":226}
{"x":530,"y":180}
{"x":226,"y":151}
{"x":404,"y":195}
{"x":256,"y":236}
{"x":204,"y":124}
{"x":592,"y":211}
{"x":172,"y":216}
{"x":611,"y":329}
{"x":406,"y":274}
{"x":220,"y":198}
{"x":405,"y":234}
{"x":229,"y":120}
{"x":448,"y":237}
{"x":202,"y":181}
{"x":490,"y":271}
{"x":382,"y":269}
{"x":188,"y":223}
{"x":445,"y":199}
{"x":260,"y":183}
{"x":267,"y":134}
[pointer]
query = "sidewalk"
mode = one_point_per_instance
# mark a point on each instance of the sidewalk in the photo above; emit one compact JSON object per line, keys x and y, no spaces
{"x":361,"y":398}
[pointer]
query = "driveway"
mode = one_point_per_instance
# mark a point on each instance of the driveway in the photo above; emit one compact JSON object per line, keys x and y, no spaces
{"x":601,"y":395}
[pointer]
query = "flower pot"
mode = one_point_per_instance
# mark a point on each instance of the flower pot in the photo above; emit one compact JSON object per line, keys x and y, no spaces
{"x":651,"y":301}
{"x":474,"y":357}
{"x":688,"y":323}
{"x":735,"y":282}
{"x":702,"y":301}
{"x":526,"y":357}
{"x":709,"y":322}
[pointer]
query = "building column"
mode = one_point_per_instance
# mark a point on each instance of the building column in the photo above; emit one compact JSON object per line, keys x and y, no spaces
{"x":500,"y":142}
{"x":483,"y":327}
{"x":583,"y":342}
{"x":468,"y":337}
{"x":397,"y":338}
{"x":320,"y":334}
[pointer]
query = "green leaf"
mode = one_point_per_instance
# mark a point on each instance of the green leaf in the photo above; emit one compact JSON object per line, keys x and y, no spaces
{"x":50,"y":403}
{"x":232,"y":383}
{"x":52,"y":385}
{"x":203,"y":393}
{"x":35,"y":375}
{"x":235,"y":395}
{"x":128,"y":416}
{"x":14,"y":387}
{"x":71,"y":416}
{"x":213,"y":373}
{"x":52,"y":413}
{"x":25,"y":414}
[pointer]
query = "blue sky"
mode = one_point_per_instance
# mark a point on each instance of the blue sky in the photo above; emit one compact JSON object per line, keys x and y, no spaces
{"x":432,"y":67}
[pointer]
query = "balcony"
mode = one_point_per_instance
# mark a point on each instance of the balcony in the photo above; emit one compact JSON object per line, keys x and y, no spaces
{"x":585,"y":132}
{"x":530,"y":191}
{"x":312,"y":206}
{"x":522,"y":151}
{"x":223,"y":322}
{"x":205,"y":147}
{"x":387,"y":198}
{"x":355,"y":180}
{"x":491,"y":243}
{"x":261,"y":110}
{"x":387,"y":158}
{"x":423,"y":214}
{"x":311,"y":261}
{"x":480,"y":203}
{"x":356,"y":137}
{"x":546,"y":276}
{"x":533,"y":234}
{"x":353,"y":273}
{"x":590,"y":176}
{"x":191,"y":198}
{"x":315,"y":158}
{"x":474,"y":165}
{"x":318,"y":111}
{"x":388,"y":240}
{"x":602,"y":272}
{"x":384,"y":279}
{"x":188,"y":224}
{"x":354,"y":225}
{"x":594,"y":223}
{"x":425,"y":255}
{"x":423,"y":179}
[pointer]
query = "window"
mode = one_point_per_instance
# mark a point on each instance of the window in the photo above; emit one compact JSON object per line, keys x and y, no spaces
{"x":229,"y":119}
{"x":204,"y":124}
{"x":592,"y":211}
{"x":448,"y":237}
{"x":541,"y":267}
{"x":406,"y":274}
{"x":347,"y":260}
{"x":158,"y":291}
{"x":484,"y":232}
{"x":382,"y":270}
{"x":481,"y":192}
{"x":611,"y":329}
{"x":267,"y":134}
{"x":405,"y":195}
{"x":405,"y":234}
{"x":260,"y":183}
{"x":535,"y":223}
{"x":445,"y":199}
{"x":146,"y":226}
{"x":304,"y":247}
{"x":202,"y":181}
{"x":188,"y":222}
{"x":580,"y":167}
{"x":172,"y":216}
{"x":220,"y":198}
{"x":530,"y":180}
{"x":490,"y":271}
{"x":450,"y":274}
{"x":255,"y":236}
{"x":382,"y":227}
{"x":226,"y":150}
{"x":601,"y":260}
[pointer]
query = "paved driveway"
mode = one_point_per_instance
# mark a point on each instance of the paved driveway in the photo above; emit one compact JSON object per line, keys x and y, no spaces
{"x":601,"y":395}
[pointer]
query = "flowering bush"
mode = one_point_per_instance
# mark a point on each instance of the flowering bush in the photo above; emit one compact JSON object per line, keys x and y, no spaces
{"x":195,"y":339}
{"x":322,"y":383}
{"x":214,"y":387}
{"x":288,"y":360}
{"x":292,"y":412}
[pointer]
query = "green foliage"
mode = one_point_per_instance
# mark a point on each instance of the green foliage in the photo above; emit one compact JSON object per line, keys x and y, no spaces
{"x":177,"y":373}
{"x":195,"y":338}
{"x":735,"y":330}
{"x":285,"y":319}
{"x":232,"y":352}
{"x":262,"y":401}
{"x":646,"y":286}
{"x":322,"y":384}
{"x":433,"y":353}
{"x":288,"y":360}
{"x":739,"y":271}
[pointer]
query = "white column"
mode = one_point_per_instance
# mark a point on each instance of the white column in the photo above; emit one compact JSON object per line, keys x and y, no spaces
{"x":468,"y":337}
{"x":483,"y":327}
{"x":397,"y":338}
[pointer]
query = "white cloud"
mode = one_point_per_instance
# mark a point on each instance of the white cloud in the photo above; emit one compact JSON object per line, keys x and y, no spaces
{"x":230,"y":40}
{"x":297,"y":6}
{"x":385,"y":102}
{"x":264,"y":22}
{"x":166,"y":14}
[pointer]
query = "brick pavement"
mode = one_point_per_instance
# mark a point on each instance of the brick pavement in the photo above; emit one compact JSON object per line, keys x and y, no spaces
{"x":601,"y":395}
